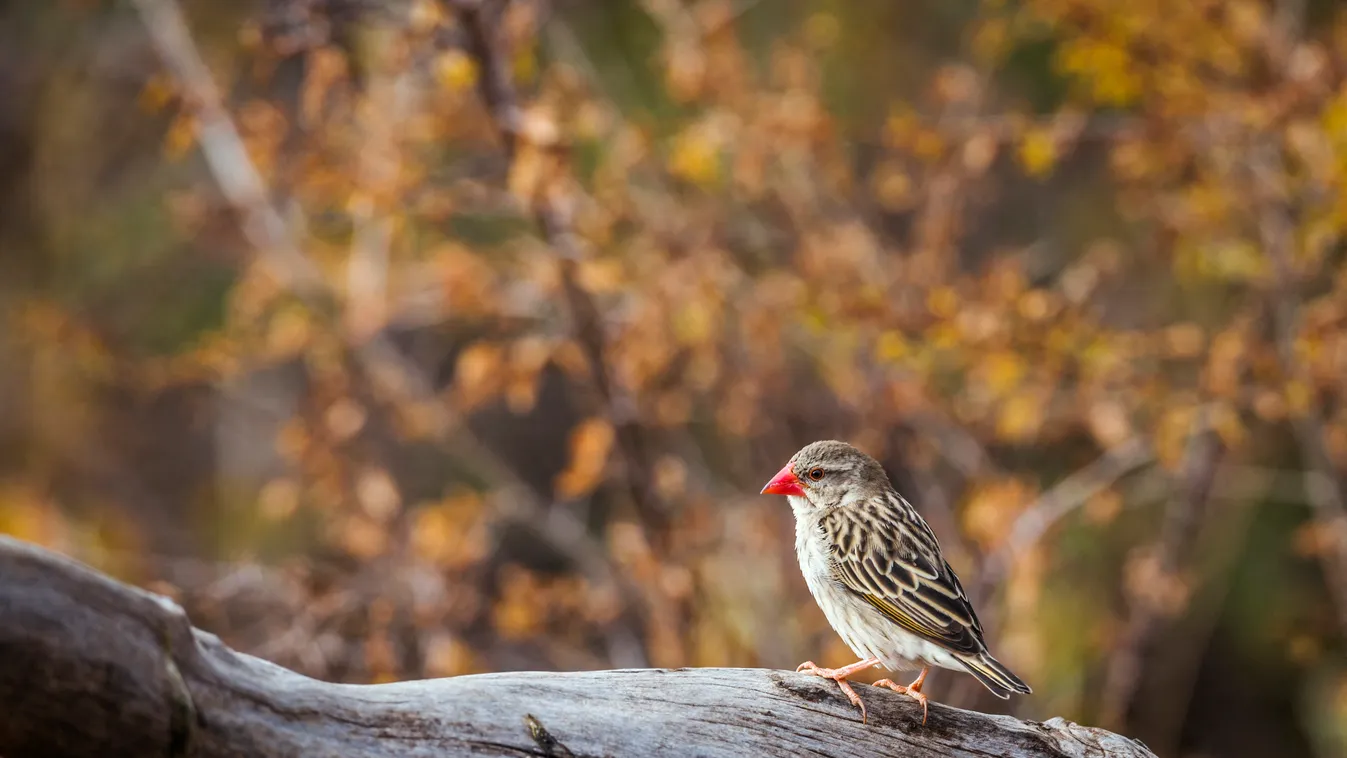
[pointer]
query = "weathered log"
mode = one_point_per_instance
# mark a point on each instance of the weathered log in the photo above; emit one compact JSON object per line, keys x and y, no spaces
{"x":93,"y":667}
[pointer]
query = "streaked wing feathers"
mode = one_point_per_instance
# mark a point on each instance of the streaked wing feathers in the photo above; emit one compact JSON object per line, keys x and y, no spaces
{"x":886,"y":553}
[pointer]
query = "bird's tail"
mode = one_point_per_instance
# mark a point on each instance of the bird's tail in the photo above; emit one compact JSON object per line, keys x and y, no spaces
{"x":994,"y":675}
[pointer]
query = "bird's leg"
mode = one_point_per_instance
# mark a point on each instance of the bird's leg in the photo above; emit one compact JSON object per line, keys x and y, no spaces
{"x":912,"y":690}
{"x":840,"y":676}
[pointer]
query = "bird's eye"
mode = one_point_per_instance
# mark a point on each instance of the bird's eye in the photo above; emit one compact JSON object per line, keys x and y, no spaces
{"x":816,"y":474}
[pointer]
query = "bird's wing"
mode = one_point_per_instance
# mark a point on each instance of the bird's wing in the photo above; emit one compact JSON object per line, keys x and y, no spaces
{"x":886,"y":553}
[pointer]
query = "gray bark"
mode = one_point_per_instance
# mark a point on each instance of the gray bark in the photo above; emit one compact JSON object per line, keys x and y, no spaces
{"x":93,"y":667}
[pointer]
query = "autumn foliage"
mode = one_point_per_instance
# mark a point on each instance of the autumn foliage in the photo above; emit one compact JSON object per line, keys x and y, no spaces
{"x":425,"y":338}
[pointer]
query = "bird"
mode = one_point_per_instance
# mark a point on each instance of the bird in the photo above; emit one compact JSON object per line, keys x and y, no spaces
{"x":875,"y":568}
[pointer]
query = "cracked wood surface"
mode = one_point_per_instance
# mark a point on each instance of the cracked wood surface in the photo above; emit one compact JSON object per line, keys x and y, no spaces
{"x":93,"y":667}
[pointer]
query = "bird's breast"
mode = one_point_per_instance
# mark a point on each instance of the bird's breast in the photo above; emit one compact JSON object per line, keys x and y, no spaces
{"x":815,"y":555}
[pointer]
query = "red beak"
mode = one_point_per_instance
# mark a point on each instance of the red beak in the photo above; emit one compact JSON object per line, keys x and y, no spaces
{"x":784,"y":483}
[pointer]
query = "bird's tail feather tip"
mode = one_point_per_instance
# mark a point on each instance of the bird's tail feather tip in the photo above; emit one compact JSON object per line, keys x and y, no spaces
{"x":995,"y":676}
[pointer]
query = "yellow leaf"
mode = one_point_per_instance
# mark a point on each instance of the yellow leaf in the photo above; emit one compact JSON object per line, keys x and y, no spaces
{"x":156,"y":94}
{"x":446,"y":656}
{"x":425,"y":15}
{"x":1002,"y":371}
{"x":893,"y":187}
{"x":1104,"y":67}
{"x":992,"y":39}
{"x":1184,"y":340}
{"x":1228,"y":425}
{"x":525,"y":64}
{"x":891,"y":346}
{"x":1334,"y":119}
{"x":695,"y":158}
{"x":518,"y":613}
{"x":929,"y":145}
{"x":181,"y":136}
{"x":1020,"y":418}
{"x":1171,"y":436}
{"x":1298,"y":398}
{"x":455,"y":71}
{"x":589,"y":445}
{"x":943,"y":302}
{"x":288,"y":332}
{"x":943,"y":336}
{"x":992,"y":507}
{"x":521,"y":394}
{"x":432,"y":533}
{"x":601,"y":276}
{"x":1038,"y":152}
{"x":692,"y":324}
{"x":529,"y":172}
{"x":27,"y":514}
{"x":363,"y":538}
{"x":477,"y":373}
{"x":1034,"y":305}
{"x":822,"y":30}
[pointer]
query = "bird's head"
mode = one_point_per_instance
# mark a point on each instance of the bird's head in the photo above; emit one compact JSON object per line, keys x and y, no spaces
{"x":828,"y":474}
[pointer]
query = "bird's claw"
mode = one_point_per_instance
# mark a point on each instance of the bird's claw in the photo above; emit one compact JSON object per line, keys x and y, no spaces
{"x":912,"y":692}
{"x":855,"y":699}
{"x":839,"y":676}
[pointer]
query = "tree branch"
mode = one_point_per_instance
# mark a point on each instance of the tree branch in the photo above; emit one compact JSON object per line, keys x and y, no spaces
{"x":553,"y":208}
{"x":90,"y":666}
{"x":1179,"y":532}
{"x":1325,"y":485}
{"x":1069,"y":494}
{"x":393,"y":375}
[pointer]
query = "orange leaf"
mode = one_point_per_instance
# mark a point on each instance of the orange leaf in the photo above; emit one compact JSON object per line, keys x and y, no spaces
{"x":590,"y":443}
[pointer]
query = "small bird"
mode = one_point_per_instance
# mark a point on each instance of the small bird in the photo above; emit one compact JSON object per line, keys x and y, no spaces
{"x":875,"y":568}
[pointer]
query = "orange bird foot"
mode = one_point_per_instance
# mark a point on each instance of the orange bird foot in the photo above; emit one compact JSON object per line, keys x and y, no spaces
{"x":840,"y":676}
{"x":912,"y":690}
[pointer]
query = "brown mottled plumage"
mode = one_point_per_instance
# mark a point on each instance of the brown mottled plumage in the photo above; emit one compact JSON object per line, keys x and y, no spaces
{"x":874,"y":567}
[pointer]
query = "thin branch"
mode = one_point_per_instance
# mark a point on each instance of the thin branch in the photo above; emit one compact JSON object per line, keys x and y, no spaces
{"x":1179,"y":532}
{"x":389,"y":100}
{"x":553,"y":208}
{"x":223,"y":148}
{"x":390,"y":372}
{"x":1053,"y":505}
{"x":1226,"y":536}
{"x":1325,"y":485}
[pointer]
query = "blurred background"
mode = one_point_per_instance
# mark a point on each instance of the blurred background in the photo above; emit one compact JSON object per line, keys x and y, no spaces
{"x":405,"y":338}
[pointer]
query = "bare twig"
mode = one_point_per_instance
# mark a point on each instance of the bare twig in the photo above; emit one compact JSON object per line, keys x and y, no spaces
{"x":1178,"y":534}
{"x":1226,"y":537}
{"x":970,"y":458}
{"x":389,"y":99}
{"x":1325,"y":485}
{"x":1051,"y":507}
{"x":1069,"y":494}
{"x":223,"y":148}
{"x":553,"y":208}
{"x":390,"y":372}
